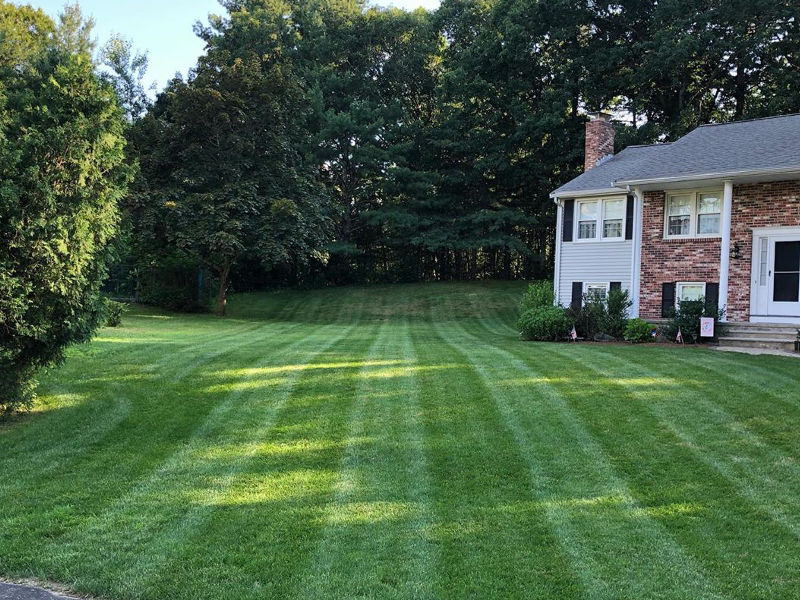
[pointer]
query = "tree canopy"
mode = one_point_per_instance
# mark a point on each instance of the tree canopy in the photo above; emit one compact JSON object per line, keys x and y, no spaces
{"x":429,"y":141}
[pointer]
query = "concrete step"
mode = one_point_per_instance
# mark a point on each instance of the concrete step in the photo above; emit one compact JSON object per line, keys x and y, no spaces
{"x":752,"y":332}
{"x":748,"y":326}
{"x":776,"y":343}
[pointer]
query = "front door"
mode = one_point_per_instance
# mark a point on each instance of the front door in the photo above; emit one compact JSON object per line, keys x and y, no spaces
{"x":784,"y":278}
{"x":776,"y":275}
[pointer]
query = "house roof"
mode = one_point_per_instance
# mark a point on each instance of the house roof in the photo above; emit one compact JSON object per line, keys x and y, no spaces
{"x":600,"y":178}
{"x":757,"y":146}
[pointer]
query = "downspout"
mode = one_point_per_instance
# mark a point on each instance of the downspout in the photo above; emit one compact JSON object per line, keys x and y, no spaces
{"x":557,"y":268}
{"x":725,"y":247}
{"x":636,"y":263}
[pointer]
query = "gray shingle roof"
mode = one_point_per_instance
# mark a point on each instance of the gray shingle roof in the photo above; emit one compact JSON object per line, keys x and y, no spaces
{"x":757,"y":145}
{"x":630,"y":160}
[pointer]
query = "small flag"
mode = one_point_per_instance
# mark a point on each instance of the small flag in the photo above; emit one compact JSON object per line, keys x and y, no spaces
{"x":679,"y":338}
{"x":573,"y":334}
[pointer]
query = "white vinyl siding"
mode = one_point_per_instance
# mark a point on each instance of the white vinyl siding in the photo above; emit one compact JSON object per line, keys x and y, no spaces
{"x":594,"y":263}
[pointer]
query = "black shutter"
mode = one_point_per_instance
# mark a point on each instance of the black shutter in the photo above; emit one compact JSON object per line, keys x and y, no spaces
{"x":568,"y":222}
{"x":577,"y":295}
{"x":667,"y":299}
{"x":712,"y":297}
{"x":629,"y":218}
{"x":615,"y":285}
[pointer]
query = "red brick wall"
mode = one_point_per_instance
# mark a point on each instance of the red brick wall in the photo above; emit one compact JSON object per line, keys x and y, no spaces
{"x":665,"y":261}
{"x":599,"y":140}
{"x":754,"y":205}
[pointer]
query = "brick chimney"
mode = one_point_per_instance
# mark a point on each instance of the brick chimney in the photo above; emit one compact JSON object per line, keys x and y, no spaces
{"x":599,"y":139}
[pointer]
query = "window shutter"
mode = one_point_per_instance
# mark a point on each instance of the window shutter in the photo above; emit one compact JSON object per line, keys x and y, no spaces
{"x":615,"y":285}
{"x":667,"y":299}
{"x":712,"y":296}
{"x":568,"y":222}
{"x":629,"y":218}
{"x":577,"y":295}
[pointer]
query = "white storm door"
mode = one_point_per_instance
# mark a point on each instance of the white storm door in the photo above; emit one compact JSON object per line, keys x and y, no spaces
{"x":784,"y":276}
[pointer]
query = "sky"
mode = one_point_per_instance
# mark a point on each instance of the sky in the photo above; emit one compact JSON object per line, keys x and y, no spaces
{"x":163,"y":27}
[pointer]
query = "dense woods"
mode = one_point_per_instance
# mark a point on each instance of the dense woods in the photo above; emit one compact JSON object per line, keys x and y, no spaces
{"x":326,"y":142}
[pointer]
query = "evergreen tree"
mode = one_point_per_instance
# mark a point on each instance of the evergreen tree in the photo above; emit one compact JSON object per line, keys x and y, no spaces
{"x":61,"y":176}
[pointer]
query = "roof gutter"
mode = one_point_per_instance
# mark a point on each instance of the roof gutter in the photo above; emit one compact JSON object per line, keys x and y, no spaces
{"x":712,"y":175}
{"x":583,"y":193}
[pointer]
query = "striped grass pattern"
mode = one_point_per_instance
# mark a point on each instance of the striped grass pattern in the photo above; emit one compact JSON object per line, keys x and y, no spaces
{"x":402,"y":443}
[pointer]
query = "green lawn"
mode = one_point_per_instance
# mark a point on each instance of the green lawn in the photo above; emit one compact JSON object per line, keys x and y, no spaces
{"x":401,"y":442}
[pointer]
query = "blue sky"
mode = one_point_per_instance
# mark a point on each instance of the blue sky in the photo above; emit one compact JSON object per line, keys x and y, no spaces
{"x":163,"y":27}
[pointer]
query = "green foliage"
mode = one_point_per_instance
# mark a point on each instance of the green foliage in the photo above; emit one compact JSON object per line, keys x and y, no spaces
{"x":61,"y":177}
{"x":221,"y":177}
{"x":606,"y":318}
{"x":113,"y":311}
{"x":176,"y":283}
{"x":126,"y":71}
{"x":638,"y":331}
{"x":544,"y":324}
{"x":423,"y":145}
{"x":586,"y":318}
{"x":687,"y":319}
{"x":614,"y":313}
{"x":539,"y":294}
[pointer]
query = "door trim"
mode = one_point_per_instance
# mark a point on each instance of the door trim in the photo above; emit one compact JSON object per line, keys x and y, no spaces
{"x":756,"y":311}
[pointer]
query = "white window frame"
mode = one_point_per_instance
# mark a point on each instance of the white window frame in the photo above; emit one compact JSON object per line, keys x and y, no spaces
{"x":693,"y":215}
{"x":603,"y":284}
{"x":680,"y":284}
{"x":601,"y":213}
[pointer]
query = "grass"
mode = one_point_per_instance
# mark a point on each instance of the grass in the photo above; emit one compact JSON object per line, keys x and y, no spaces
{"x":401,"y":442}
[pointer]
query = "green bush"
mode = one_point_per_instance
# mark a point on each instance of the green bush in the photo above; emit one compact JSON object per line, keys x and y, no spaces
{"x":638,"y":331}
{"x":613,"y":315}
{"x":586,"y":318}
{"x":544,"y":324}
{"x":539,"y":294}
{"x":687,"y":319}
{"x":113,"y":312}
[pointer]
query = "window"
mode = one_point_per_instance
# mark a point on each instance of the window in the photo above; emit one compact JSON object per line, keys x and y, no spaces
{"x":604,"y":219}
{"x":613,"y":217}
{"x":693,"y":214}
{"x":587,"y":220}
{"x":679,"y":215}
{"x":687,"y":291}
{"x":763,"y":261}
{"x":597,"y":291}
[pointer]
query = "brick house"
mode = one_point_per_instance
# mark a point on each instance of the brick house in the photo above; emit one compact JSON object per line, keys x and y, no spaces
{"x":715,"y":214}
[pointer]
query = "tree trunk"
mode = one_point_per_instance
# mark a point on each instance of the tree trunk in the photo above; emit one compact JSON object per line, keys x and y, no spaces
{"x":222,"y":296}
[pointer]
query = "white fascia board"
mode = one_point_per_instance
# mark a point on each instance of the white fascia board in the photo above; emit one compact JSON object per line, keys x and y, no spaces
{"x":611,"y":191}
{"x":712,"y":175}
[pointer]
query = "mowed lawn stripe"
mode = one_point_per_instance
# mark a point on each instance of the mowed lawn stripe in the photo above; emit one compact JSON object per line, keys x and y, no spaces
{"x":265,"y":527}
{"x":109,"y":412}
{"x":116,"y":437}
{"x":764,"y":402}
{"x":245,"y":398}
{"x":733,"y":536}
{"x":491,"y":539}
{"x":588,"y":504}
{"x":763,"y":475}
{"x":731,"y":540}
{"x":376,"y":540}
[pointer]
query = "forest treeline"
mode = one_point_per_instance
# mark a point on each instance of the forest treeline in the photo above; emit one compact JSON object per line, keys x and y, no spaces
{"x":327,"y":142}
